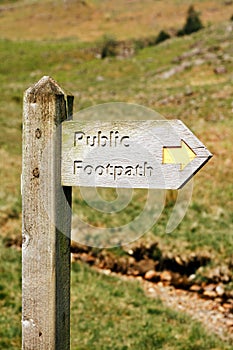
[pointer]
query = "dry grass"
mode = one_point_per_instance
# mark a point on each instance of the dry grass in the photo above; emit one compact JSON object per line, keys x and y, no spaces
{"x":89,"y":20}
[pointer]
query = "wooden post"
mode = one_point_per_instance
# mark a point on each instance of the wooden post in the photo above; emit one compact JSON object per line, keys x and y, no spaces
{"x":46,"y":221}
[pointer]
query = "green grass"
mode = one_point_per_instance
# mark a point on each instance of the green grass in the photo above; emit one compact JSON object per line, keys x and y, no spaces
{"x":207,"y":112}
{"x":10,"y":298}
{"x":108,"y":313}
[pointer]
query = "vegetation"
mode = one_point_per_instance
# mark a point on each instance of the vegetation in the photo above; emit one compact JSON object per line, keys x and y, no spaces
{"x":108,"y":47}
{"x":113,"y":314}
{"x":162,"y":36}
{"x":193,"y":23}
{"x":49,"y":20}
{"x":102,"y":305}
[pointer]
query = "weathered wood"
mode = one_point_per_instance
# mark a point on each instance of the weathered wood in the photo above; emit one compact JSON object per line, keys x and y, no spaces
{"x":158,"y":154}
{"x":46,"y":222}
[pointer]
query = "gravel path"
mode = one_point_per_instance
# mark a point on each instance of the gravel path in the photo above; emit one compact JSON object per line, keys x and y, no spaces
{"x":215,"y":317}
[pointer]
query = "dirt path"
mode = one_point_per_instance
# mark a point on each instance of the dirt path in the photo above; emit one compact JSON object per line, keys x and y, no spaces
{"x":215,"y":313}
{"x":170,"y":278}
{"x":215,"y":317}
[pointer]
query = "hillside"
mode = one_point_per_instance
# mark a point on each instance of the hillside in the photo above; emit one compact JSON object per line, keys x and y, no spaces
{"x":88,"y":20}
{"x":189,"y":78}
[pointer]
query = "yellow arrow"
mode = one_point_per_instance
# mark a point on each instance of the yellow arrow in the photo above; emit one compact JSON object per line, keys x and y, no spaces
{"x":182,"y":155}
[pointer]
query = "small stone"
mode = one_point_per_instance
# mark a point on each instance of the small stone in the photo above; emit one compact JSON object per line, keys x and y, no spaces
{"x":135,"y":272}
{"x":88,"y":258}
{"x":221,"y":309}
{"x":145,"y":265}
{"x":229,"y":323}
{"x":220,"y":290}
{"x":218,"y":300}
{"x":210,"y":56}
{"x":209,"y":294}
{"x":227,"y":58}
{"x":199,"y":62}
{"x":192,"y":277}
{"x":166,"y":276}
{"x":151,"y":290}
{"x":220,"y":70}
{"x":188,"y":91}
{"x":139,"y":278}
{"x":195,"y":288}
{"x":165,"y":101}
{"x":210,"y":287}
{"x":225,"y":278}
{"x":99,"y":78}
{"x":151,"y":275}
{"x":178,"y":260}
{"x":227,"y":306}
{"x":131,"y":261}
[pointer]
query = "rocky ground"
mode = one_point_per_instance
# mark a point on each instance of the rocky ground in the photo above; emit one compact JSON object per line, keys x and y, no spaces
{"x":216,"y":318}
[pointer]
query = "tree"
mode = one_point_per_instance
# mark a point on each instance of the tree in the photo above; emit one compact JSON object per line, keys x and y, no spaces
{"x":193,"y":23}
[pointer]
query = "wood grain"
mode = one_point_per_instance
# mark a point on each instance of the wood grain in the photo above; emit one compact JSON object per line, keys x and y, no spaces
{"x":46,"y":221}
{"x":129,"y":154}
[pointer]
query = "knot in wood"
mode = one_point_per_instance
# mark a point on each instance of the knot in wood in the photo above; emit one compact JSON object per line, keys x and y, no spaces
{"x":36,"y":172}
{"x":38,"y":133}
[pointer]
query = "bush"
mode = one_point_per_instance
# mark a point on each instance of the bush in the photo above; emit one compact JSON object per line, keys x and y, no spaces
{"x":139,"y":44}
{"x":162,"y":36}
{"x":108,"y":47}
{"x":180,"y":32}
{"x":151,"y":41}
{"x":193,"y":23}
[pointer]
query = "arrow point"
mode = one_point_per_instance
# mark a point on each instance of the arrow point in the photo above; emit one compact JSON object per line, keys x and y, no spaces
{"x":182,"y":155}
{"x":188,"y":153}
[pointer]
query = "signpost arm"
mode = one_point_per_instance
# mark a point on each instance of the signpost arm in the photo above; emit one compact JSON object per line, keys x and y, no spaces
{"x":46,"y":221}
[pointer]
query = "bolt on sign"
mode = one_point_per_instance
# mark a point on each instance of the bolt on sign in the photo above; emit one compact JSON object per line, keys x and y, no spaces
{"x":159,"y":154}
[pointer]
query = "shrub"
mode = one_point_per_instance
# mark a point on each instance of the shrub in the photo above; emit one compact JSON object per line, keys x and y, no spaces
{"x":151,"y":41}
{"x":162,"y":36}
{"x":108,"y":46}
{"x":139,"y":44}
{"x":193,"y":23}
{"x":180,"y":32}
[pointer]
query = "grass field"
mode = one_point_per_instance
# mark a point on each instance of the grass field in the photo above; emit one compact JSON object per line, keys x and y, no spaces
{"x":88,"y":20}
{"x":54,"y":38}
{"x":106,"y":313}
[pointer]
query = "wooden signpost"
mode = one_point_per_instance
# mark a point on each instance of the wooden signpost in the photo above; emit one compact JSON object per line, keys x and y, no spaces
{"x":144,"y":154}
{"x":46,"y":221}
